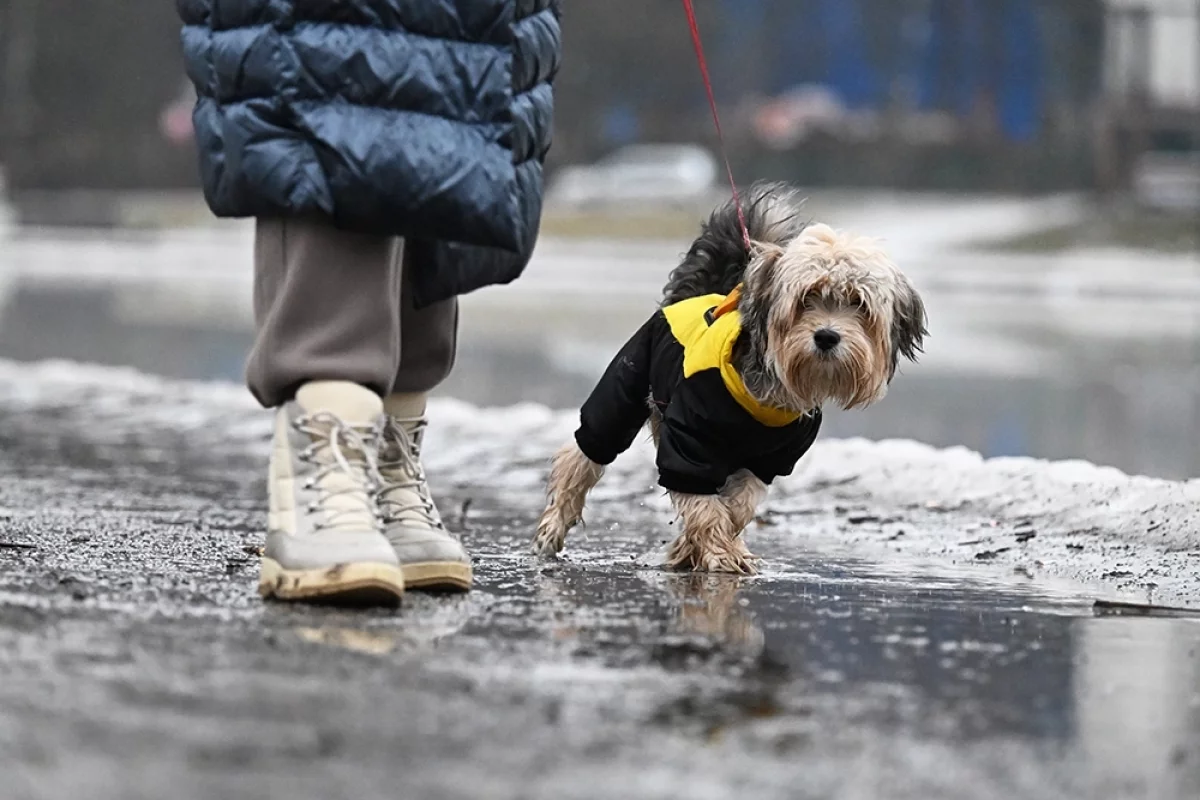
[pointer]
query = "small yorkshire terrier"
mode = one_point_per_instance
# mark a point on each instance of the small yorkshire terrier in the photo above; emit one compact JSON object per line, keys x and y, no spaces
{"x":731,"y":372}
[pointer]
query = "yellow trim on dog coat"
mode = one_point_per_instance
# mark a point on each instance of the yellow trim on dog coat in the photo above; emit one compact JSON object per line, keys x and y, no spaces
{"x":708,"y":346}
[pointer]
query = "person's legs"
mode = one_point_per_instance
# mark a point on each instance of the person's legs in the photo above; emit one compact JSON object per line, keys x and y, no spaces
{"x":326,"y":349}
{"x":428,"y":340}
{"x":332,"y":306}
{"x":326,"y":307}
{"x":429,"y":555}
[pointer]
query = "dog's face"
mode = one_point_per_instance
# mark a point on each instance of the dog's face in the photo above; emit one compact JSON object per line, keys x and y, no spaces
{"x":833,"y":315}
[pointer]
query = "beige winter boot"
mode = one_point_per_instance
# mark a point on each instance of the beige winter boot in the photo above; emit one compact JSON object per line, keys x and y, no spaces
{"x":430,"y":556}
{"x":325,"y":538}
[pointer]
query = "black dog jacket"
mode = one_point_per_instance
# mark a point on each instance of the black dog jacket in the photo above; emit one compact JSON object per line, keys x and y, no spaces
{"x":681,"y":362}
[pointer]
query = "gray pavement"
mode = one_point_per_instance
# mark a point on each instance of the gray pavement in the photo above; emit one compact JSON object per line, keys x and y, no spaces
{"x":138,"y":662}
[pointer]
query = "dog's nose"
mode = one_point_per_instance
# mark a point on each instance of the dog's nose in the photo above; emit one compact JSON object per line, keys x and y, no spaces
{"x":826,"y":339}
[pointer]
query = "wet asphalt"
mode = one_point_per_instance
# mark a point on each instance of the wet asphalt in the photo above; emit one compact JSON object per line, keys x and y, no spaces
{"x":138,"y":662}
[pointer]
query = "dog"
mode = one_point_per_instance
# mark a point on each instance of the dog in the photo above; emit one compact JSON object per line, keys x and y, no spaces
{"x":750,"y":341}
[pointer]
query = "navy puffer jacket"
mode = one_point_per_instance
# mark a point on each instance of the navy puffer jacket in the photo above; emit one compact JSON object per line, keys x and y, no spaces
{"x":427,"y":119}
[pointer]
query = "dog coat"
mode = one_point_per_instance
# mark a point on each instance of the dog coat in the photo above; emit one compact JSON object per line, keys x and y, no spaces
{"x":681,"y":363}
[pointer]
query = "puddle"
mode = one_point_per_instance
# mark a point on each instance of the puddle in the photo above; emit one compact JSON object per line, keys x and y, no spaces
{"x":935,"y":658}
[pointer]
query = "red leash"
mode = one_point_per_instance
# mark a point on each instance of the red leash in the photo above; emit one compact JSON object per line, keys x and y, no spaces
{"x":712,"y":103}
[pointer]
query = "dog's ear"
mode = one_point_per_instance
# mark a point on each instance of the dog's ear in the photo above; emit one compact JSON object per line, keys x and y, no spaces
{"x":908,"y":324}
{"x":761,"y":269}
{"x":759,"y":278}
{"x":758,"y":293}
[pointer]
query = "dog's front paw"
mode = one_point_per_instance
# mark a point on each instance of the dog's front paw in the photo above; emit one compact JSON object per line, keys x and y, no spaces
{"x":740,"y":548}
{"x":551,"y":533}
{"x":727,"y":561}
{"x":685,"y":554}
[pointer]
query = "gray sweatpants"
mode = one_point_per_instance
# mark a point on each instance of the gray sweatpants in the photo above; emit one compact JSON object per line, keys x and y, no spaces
{"x":332,"y":305}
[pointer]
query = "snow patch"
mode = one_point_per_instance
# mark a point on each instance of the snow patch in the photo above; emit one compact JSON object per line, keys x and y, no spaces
{"x":507,"y":451}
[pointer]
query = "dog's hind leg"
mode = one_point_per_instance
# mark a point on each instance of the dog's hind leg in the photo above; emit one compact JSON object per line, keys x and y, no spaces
{"x":708,"y":542}
{"x":572,"y":476}
{"x":742,"y":495}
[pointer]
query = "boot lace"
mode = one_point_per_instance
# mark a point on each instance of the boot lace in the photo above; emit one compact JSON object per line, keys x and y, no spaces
{"x":335,"y":437}
{"x":404,"y":493}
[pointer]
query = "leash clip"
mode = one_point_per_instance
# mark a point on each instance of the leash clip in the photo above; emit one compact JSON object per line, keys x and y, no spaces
{"x":730,"y":303}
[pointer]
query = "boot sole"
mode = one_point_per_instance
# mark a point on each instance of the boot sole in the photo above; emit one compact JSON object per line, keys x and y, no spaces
{"x":342,"y":584}
{"x":443,"y":575}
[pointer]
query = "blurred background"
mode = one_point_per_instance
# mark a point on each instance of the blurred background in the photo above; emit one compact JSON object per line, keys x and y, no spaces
{"x":1033,"y":164}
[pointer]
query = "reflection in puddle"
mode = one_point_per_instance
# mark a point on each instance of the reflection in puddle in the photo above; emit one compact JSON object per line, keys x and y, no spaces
{"x":376,"y":644}
{"x":710,"y":606}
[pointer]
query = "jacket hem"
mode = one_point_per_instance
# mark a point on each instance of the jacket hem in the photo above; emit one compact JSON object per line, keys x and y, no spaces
{"x":675,"y":482}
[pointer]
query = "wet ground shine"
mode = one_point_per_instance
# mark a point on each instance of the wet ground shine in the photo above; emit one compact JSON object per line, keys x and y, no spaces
{"x":138,"y":662}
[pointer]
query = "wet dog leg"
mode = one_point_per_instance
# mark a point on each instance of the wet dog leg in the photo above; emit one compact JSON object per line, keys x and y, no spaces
{"x":572,"y":476}
{"x":708,"y":540}
{"x":742,"y":495}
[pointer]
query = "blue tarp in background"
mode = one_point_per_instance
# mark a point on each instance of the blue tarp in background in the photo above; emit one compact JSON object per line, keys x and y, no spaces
{"x":950,"y":54}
